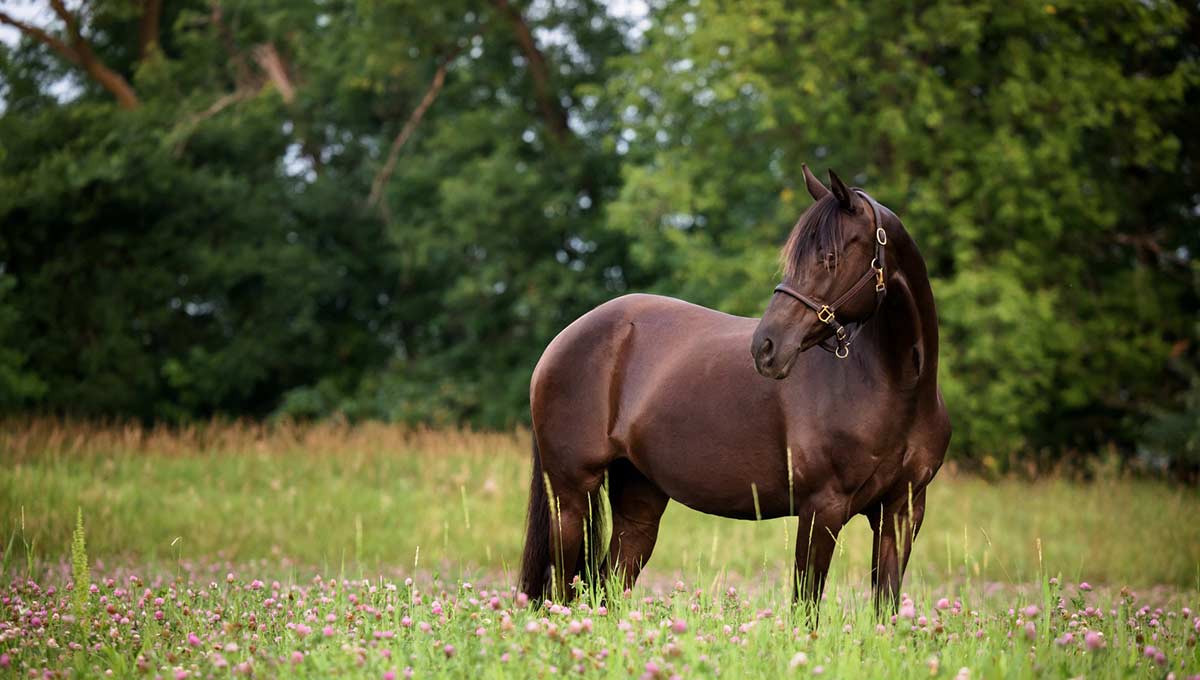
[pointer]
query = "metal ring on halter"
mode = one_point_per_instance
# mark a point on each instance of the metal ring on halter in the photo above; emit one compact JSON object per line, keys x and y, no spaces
{"x":842,"y":351}
{"x":881,"y":236}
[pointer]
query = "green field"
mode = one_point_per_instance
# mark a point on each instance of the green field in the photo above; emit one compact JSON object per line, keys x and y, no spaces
{"x":198,"y":516}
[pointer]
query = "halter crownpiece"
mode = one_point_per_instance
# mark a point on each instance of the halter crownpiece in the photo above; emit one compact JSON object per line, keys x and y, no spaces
{"x":827,"y":314}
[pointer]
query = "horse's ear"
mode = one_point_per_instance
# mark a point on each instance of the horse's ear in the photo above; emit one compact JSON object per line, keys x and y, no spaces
{"x":844,"y":196}
{"x":815,"y":188}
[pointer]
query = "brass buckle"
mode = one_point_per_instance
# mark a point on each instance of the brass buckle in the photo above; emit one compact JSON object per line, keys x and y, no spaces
{"x":824,"y":314}
{"x":841,"y":333}
{"x":880,"y":286}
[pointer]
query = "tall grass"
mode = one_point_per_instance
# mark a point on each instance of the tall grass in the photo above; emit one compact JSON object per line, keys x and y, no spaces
{"x":371,"y":494}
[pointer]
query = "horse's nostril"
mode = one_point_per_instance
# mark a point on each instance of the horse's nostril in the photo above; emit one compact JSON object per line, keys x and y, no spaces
{"x":766,"y":352}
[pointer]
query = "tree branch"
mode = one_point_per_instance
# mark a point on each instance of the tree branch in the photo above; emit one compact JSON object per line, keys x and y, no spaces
{"x":188,"y":126}
{"x":242,"y":75}
{"x":80,"y":53}
{"x":552,"y":110}
{"x":272,"y":64}
{"x":64,"y":50}
{"x":385,"y":173}
{"x":148,"y":28}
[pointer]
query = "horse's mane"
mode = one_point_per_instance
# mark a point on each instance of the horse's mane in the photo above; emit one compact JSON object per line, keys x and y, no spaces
{"x":819,"y":230}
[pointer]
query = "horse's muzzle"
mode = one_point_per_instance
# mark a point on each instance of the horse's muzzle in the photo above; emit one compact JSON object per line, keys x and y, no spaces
{"x":771,"y":363}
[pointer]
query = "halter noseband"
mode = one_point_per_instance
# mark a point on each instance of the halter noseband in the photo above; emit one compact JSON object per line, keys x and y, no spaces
{"x":827,"y":314}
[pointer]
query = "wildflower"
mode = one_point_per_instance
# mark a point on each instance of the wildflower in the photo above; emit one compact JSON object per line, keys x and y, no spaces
{"x":964,"y":673}
{"x":679,"y":626}
{"x":448,"y":650}
{"x":1085,"y":586}
{"x":933,"y":664}
{"x":327,"y":631}
{"x":193,"y":639}
{"x":798,"y":659}
{"x":907,"y":610}
{"x":1030,"y":630}
{"x":297,"y":657}
{"x":390,"y":675}
{"x":943,"y":603}
{"x":1031,"y":611}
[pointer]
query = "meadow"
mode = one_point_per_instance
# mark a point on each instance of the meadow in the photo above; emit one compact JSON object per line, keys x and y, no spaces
{"x":380,"y":551}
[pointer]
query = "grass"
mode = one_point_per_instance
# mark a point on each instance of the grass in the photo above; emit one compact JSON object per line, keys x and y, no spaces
{"x":368,"y":507}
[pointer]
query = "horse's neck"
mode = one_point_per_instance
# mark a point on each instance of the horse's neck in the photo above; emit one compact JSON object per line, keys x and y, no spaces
{"x":906,"y":337}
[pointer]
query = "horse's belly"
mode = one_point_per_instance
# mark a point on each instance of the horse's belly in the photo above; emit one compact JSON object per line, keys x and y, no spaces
{"x":716,"y":448}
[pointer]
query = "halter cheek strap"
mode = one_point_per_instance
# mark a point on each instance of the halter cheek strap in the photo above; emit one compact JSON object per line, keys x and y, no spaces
{"x":827,"y":313}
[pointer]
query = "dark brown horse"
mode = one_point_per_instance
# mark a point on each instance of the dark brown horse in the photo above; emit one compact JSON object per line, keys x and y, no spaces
{"x":661,"y":398}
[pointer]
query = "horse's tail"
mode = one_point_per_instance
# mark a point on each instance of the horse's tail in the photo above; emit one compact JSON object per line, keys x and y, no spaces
{"x":535,"y":563}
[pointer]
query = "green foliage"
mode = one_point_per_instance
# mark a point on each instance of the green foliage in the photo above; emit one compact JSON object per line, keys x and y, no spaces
{"x":214,"y":251}
{"x":18,"y":385}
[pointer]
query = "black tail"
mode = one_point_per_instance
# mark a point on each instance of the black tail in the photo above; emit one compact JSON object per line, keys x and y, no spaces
{"x":535,"y":563}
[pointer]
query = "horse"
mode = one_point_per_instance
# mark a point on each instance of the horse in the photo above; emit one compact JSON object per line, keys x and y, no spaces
{"x":648,"y":399}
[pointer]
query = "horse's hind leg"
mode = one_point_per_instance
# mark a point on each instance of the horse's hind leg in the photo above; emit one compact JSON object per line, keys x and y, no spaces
{"x":574,"y":513}
{"x":637,"y":506}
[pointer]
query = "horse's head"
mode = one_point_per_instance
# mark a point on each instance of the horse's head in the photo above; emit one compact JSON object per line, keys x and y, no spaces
{"x":833,"y":276}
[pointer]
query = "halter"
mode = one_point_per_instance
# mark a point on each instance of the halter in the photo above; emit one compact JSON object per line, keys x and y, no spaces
{"x":827,"y":314}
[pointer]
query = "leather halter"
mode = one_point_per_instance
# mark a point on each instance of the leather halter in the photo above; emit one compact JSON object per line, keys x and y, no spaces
{"x":827,"y":313}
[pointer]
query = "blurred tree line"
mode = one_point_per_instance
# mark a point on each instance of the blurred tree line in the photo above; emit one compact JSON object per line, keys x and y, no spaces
{"x":386,"y":208}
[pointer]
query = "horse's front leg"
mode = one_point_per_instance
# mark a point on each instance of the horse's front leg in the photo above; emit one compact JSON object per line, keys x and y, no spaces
{"x":894,"y":526}
{"x":816,"y":539}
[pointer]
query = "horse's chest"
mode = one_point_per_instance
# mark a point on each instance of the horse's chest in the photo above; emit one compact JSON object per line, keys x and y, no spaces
{"x":851,"y":445}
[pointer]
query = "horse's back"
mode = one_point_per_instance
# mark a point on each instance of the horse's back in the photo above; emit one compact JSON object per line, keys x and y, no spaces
{"x":593,"y":340}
